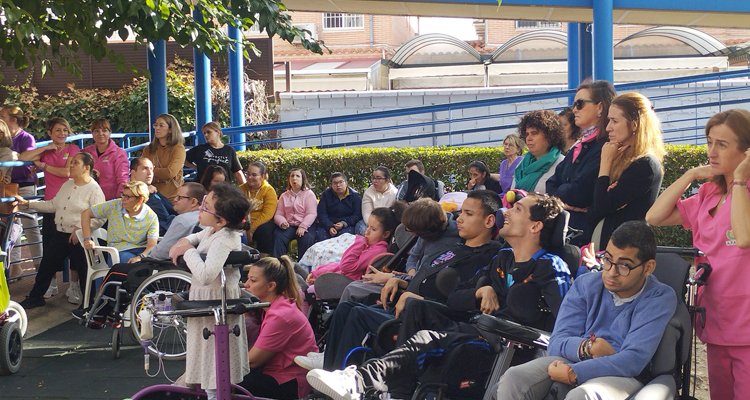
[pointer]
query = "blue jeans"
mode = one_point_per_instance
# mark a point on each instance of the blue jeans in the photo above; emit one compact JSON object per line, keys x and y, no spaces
{"x":126,"y":255}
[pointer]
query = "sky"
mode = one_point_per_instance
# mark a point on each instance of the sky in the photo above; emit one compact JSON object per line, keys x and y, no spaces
{"x":460,"y":28}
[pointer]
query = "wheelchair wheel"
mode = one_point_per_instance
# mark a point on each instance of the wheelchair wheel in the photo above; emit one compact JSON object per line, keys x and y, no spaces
{"x":11,"y":351}
{"x":16,"y":309}
{"x":116,"y":342}
{"x":170,"y":333}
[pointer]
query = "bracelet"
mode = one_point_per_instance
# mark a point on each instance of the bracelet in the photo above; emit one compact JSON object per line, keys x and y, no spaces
{"x":738,"y":182}
{"x":88,"y":238}
{"x":141,"y":256}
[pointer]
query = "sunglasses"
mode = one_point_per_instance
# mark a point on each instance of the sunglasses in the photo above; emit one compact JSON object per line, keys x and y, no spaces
{"x":580,"y":103}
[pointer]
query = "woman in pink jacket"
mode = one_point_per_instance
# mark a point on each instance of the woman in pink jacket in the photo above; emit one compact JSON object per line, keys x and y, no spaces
{"x":110,"y":160}
{"x":295,"y":213}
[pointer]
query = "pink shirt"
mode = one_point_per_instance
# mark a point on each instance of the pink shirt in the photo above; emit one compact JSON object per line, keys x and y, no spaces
{"x":53,"y":158}
{"x":298,"y":209}
{"x":286,"y":332}
{"x":113,"y":168}
{"x":355,"y":260}
{"x":726,"y":295}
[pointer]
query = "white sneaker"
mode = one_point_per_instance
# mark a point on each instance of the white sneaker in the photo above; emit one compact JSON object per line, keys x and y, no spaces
{"x":74,"y":293}
{"x":51,"y":290}
{"x":339,"y":385}
{"x":311,"y":361}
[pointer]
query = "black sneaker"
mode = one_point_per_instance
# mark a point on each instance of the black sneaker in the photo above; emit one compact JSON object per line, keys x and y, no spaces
{"x":29,"y":303}
{"x":79,"y":313}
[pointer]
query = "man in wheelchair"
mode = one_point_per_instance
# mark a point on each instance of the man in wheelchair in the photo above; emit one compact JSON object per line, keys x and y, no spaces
{"x":608,"y":328}
{"x":513,"y":286}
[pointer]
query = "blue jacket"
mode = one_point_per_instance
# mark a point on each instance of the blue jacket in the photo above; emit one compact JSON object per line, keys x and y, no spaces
{"x":331,"y":209}
{"x":633,"y":329}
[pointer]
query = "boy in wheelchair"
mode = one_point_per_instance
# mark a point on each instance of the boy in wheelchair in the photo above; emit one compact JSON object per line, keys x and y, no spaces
{"x":608,"y":328}
{"x":512,"y":286}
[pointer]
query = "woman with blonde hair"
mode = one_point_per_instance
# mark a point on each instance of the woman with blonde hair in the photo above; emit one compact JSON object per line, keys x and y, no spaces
{"x":167,"y":152}
{"x":214,"y":152}
{"x":630,"y":169}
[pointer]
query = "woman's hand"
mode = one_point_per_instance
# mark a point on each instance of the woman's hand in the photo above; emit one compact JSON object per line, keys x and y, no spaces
{"x":373,"y":275}
{"x":73,"y":238}
{"x":700,"y":173}
{"x":332,"y":231}
{"x":88,"y":244}
{"x":284,"y":225}
{"x":742,"y":172}
{"x":610,"y":152}
{"x":301,"y":231}
{"x":310,"y":279}
{"x":179,"y":249}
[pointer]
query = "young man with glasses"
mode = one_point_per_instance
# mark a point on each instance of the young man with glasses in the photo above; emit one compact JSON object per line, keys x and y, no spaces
{"x":607,"y":330}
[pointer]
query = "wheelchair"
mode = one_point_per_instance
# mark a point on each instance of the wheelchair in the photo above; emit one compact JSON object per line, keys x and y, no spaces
{"x":13,"y":324}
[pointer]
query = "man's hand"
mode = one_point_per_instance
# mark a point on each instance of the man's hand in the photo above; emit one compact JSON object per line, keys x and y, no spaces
{"x":401,"y":304}
{"x":601,"y":348}
{"x":489,"y":302}
{"x":560,"y":371}
{"x":373,"y":275}
{"x":389,"y":291}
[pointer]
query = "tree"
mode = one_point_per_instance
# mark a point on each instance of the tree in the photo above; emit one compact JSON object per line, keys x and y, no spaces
{"x":48,"y":33}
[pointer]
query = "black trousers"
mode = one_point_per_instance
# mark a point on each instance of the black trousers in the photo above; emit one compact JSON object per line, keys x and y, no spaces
{"x":56,"y":249}
{"x":263,"y":237}
{"x":262,"y":385}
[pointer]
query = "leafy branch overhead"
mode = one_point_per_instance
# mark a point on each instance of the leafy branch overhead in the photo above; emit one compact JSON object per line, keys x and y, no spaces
{"x":49,"y":33}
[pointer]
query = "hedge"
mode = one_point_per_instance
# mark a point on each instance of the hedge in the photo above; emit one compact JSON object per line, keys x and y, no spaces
{"x":447,"y":164}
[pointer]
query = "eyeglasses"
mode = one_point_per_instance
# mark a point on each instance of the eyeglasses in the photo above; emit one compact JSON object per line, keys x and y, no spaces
{"x":178,"y":197}
{"x":377,"y":178}
{"x":337,"y":183}
{"x":254,"y":175}
{"x":205,"y":209}
{"x":580,"y":103}
{"x":127,"y":196}
{"x":623,"y":269}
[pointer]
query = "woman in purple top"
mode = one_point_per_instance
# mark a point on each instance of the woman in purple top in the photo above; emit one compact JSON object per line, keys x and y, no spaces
{"x":513,"y":149}
{"x":110,"y":161}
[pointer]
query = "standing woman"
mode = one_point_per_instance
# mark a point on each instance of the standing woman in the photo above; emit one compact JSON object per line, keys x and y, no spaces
{"x":381,"y":193}
{"x":718,"y":218}
{"x":167,"y":152}
{"x":110,"y":160}
{"x":630,"y":171}
{"x":542,"y":132}
{"x":513,"y":149}
{"x":214,"y":152}
{"x":263,"y":202}
{"x":76,"y":195}
{"x":481,"y":178}
{"x":295,"y":214}
{"x":572,"y":181}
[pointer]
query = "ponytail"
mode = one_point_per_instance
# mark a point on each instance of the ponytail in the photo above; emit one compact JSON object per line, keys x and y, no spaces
{"x":390,"y":217}
{"x":281,"y":271}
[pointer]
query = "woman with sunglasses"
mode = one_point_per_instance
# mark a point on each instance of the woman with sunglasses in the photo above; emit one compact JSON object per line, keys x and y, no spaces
{"x":572,"y":181}
{"x":167,"y":152}
{"x":76,"y":195}
{"x":132,"y":229}
{"x":295,"y":214}
{"x":718,"y":219}
{"x":263,"y":202}
{"x":381,"y":193}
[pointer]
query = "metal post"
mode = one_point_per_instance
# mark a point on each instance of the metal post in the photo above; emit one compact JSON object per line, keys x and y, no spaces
{"x":586,"y":61}
{"x":574,"y":73}
{"x":236,"y":87}
{"x":157,"y":85}
{"x":202,"y":87}
{"x":603,"y":53}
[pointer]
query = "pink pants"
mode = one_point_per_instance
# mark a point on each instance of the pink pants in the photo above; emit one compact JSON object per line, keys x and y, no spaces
{"x":728,"y":372}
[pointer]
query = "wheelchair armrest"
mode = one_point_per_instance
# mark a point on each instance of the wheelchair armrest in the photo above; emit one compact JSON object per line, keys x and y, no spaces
{"x":240,"y":258}
{"x":512,"y":331}
{"x":113,"y":253}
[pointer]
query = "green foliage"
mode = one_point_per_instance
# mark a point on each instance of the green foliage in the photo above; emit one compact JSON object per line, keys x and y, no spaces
{"x":49,"y":33}
{"x":447,"y":164}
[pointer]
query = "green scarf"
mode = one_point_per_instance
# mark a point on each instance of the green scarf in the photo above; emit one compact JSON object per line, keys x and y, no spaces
{"x":530,"y":170}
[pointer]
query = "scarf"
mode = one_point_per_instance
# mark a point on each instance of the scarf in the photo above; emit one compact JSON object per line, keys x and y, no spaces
{"x":531,"y":169}
{"x":589,"y":135}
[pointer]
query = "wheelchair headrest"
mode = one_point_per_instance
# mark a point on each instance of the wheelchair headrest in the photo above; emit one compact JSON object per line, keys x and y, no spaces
{"x":419,"y":186}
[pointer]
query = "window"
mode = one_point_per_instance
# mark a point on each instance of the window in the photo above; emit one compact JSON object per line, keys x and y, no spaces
{"x":537,"y":24}
{"x":343,"y":21}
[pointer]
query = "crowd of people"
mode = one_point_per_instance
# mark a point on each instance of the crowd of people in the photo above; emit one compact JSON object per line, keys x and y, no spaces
{"x":601,"y":161}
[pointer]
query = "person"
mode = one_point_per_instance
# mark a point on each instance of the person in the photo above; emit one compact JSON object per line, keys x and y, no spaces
{"x":212,"y":175}
{"x":480,"y":178}
{"x":284,"y":332}
{"x":214,"y":152}
{"x":23,"y":141}
{"x":186,"y":204}
{"x":630,"y":170}
{"x":132,"y":227}
{"x":295,"y":214}
{"x":223,"y":213}
{"x":476,"y":223}
{"x":142,"y":170}
{"x":54,"y":160}
{"x":167,"y":152}
{"x":263,"y":202}
{"x":542,"y":133}
{"x":572,"y":181}
{"x":517,"y":280}
{"x":359,"y":256}
{"x":76,"y":195}
{"x":339,"y":209}
{"x":381,"y":193}
{"x":110,"y":160}
{"x":571,"y":132}
{"x":513,"y":149}
{"x":418,"y":166}
{"x":607,"y":330}
{"x":6,"y":152}
{"x":717,"y":219}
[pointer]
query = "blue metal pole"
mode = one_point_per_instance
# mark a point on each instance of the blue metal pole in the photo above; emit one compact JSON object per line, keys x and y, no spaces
{"x":202,"y":87}
{"x":236,"y":86}
{"x":157,"y":85}
{"x":574,"y":73}
{"x":586,"y":63}
{"x":603,"y":54}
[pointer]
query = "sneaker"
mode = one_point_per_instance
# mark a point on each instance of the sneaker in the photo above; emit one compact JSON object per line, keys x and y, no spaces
{"x":51,"y":290}
{"x":30,"y":303}
{"x":344,"y":384}
{"x":96,"y":322}
{"x":311,"y":361}
{"x":74,"y":293}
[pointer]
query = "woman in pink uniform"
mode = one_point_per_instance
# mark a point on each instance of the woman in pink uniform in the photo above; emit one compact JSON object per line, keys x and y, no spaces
{"x":718,"y":218}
